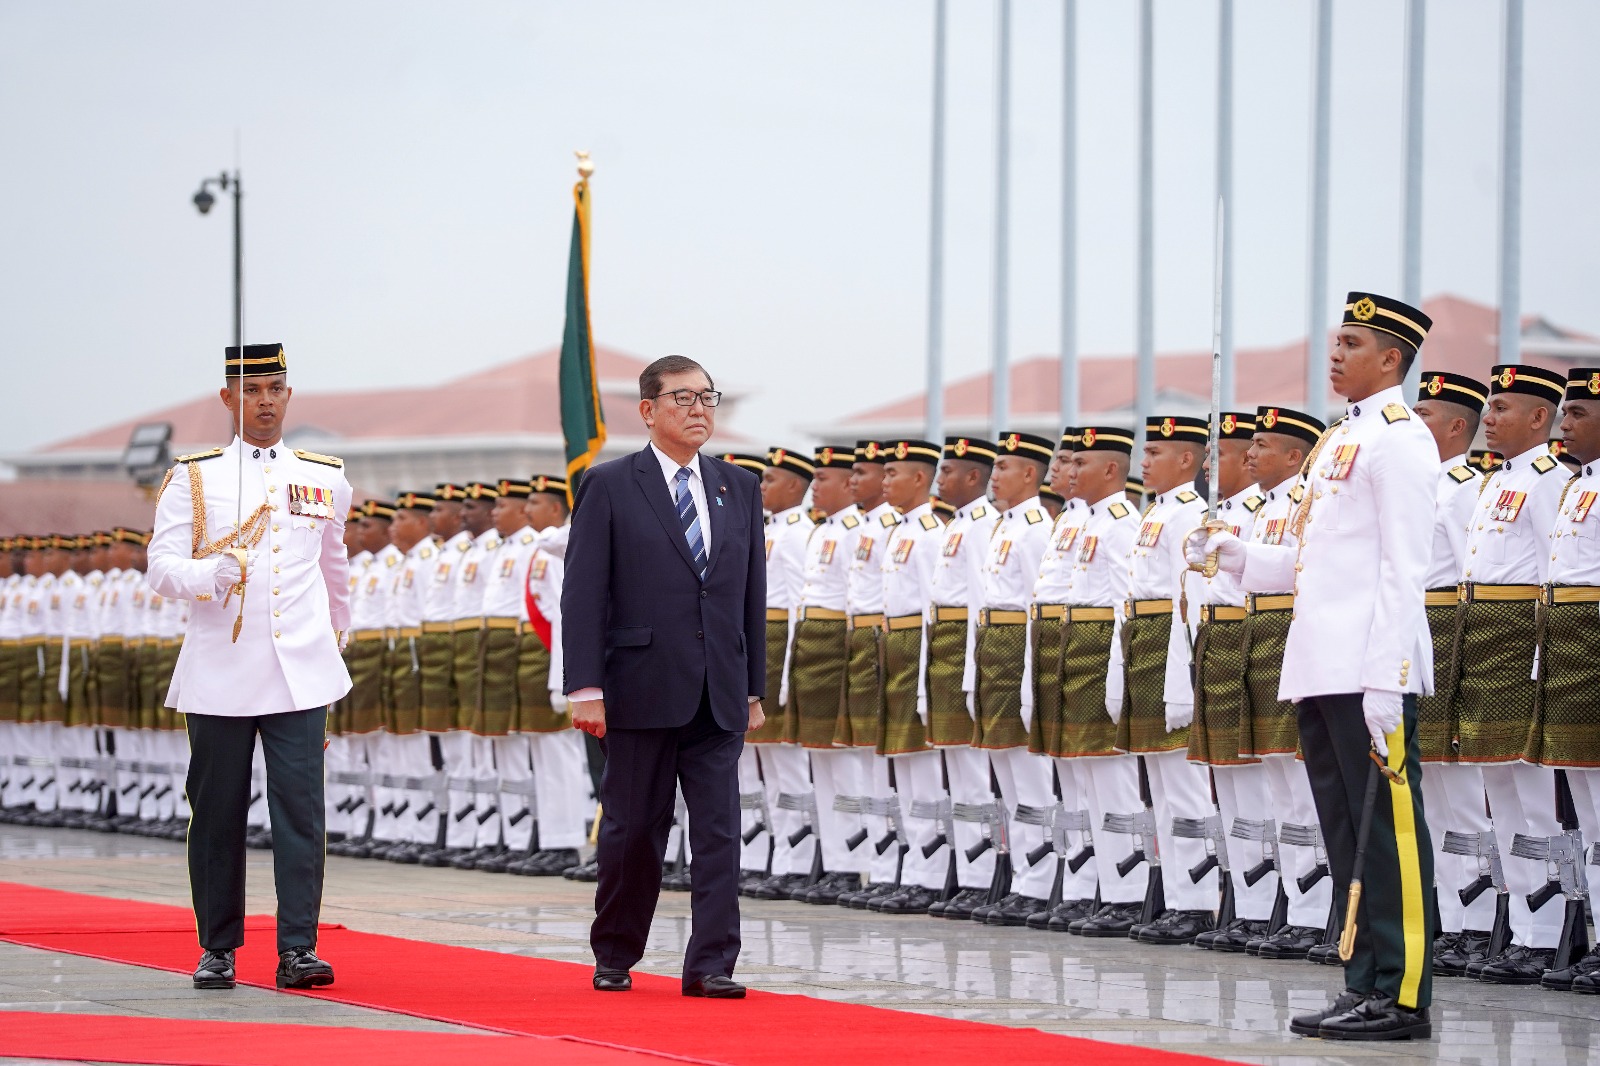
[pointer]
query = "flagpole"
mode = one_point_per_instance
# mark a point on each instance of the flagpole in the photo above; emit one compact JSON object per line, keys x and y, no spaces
{"x":1000,"y":384}
{"x":1069,"y":214}
{"x":935,"y":409}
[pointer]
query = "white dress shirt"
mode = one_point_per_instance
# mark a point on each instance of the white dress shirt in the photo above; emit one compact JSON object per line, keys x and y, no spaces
{"x":697,"y":489}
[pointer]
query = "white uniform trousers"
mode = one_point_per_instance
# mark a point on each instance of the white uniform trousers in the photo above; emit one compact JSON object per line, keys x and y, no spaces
{"x":11,"y":771}
{"x":563,"y":793}
{"x":1453,"y":797}
{"x":409,"y":757}
{"x":918,"y":778}
{"x":1585,"y":786}
{"x":42,"y":774}
{"x":786,"y":770}
{"x":1025,"y":779}
{"x":1289,"y":793}
{"x":969,"y":775}
{"x":519,"y":806}
{"x":840,"y":772}
{"x":176,"y":801}
{"x":1076,"y":782}
{"x":1114,"y":787}
{"x":1522,"y":799}
{"x":461,"y":824}
{"x":77,"y":748}
{"x":392,"y":811}
{"x":336,"y":762}
{"x":486,"y":790}
{"x":124,"y":780}
{"x":752,"y":853}
{"x":881,"y":866}
{"x":1242,"y":791}
{"x":1180,"y":789}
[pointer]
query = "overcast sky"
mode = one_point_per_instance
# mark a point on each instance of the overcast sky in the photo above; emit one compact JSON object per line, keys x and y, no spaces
{"x":761,"y":196}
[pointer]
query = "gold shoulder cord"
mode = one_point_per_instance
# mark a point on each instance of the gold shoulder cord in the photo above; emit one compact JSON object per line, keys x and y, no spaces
{"x":1303,"y":511}
{"x":247,"y":536}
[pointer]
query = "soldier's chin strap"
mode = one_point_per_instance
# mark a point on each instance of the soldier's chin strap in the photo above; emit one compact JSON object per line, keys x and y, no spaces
{"x":238,"y":623}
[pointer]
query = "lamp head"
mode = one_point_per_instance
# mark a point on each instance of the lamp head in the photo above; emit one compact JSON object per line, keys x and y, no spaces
{"x":203,"y":200}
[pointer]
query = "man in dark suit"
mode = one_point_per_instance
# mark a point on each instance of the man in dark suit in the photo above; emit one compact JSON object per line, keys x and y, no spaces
{"x":664,"y":616}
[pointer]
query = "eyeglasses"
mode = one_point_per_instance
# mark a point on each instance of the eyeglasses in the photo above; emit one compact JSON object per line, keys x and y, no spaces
{"x":687,"y":397}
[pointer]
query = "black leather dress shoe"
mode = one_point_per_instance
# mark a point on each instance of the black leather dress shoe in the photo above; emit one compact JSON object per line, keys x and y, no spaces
{"x":1310,"y":1024}
{"x":550,"y":863}
{"x":496,"y":863}
{"x":1377,"y":1018}
{"x":781,"y":886}
{"x":1290,"y":942}
{"x":1325,"y":955}
{"x":215,"y":970}
{"x":300,"y":968}
{"x":588,"y":872}
{"x":1175,"y":927}
{"x":1111,"y":921}
{"x":1565,"y":980}
{"x":873,"y":893}
{"x":1236,"y":935}
{"x":960,"y":906}
{"x":1454,"y":952}
{"x":676,"y":882}
{"x":1061,"y":917}
{"x":714,"y":987}
{"x":608,"y":980}
{"x":405,"y":854}
{"x":913,"y":900}
{"x":1015,"y":910}
{"x":750,"y":878}
{"x":438,"y":856}
{"x":468,"y":860}
{"x":826,"y":892}
{"x":1518,"y":966}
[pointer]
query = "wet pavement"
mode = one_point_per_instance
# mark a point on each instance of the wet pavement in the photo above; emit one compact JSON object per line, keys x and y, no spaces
{"x":1178,"y":999}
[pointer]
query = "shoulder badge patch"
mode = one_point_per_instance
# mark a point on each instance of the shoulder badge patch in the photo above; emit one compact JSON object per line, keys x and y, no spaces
{"x":1187,"y":497}
{"x":929,"y":522}
{"x":427,"y":552}
{"x":1461,"y":474}
{"x":1120,"y":510}
{"x":526,"y":538}
{"x":1034,"y":516}
{"x":1253,"y":504}
{"x":209,"y":453}
{"x":888,"y":520}
{"x":979,"y":511}
{"x":1395,"y":412}
{"x":850,"y":521}
{"x":793,"y":518}
{"x":318,"y":457}
{"x":1297,"y":493}
{"x":1544,"y":464}
{"x":391,"y":560}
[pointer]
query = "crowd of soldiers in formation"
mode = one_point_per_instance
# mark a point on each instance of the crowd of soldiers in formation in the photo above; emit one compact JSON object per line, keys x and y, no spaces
{"x":996,"y":690}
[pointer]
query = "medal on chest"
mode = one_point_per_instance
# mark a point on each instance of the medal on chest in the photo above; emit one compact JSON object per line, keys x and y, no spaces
{"x":311,"y":501}
{"x":1507,"y":506}
{"x":952,"y":544}
{"x":372,"y":584}
{"x":769,"y":547}
{"x":1087,"y":548}
{"x":469,"y":573}
{"x":1002,"y":553}
{"x":1274,"y":531}
{"x":1065,"y":539}
{"x":1149,"y":534}
{"x":1580,"y":507}
{"x":409,"y":575}
{"x":902,"y":551}
{"x":540,"y":565}
{"x":442,"y":574}
{"x":864,"y":549}
{"x":1343,"y":461}
{"x":507,"y":566}
{"x":825,"y":557}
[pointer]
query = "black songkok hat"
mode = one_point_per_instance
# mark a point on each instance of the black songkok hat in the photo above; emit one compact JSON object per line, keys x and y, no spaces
{"x":1026,"y":446}
{"x":508,"y":487}
{"x":550,"y":486}
{"x":415,"y":501}
{"x":258,"y":361}
{"x":836,"y":456}
{"x":1104,"y":439}
{"x":1548,"y":385}
{"x":1583,"y":383}
{"x":1236,"y":425}
{"x":870,"y":451}
{"x":907,"y":450}
{"x":1391,"y":316}
{"x":973,"y":449}
{"x":1452,"y":388}
{"x":1178,"y":428}
{"x":792,"y":461}
{"x":753,"y":463}
{"x":1290,"y":423}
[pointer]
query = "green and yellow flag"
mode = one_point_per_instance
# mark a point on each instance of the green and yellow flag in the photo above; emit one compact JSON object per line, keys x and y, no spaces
{"x":583,"y":423}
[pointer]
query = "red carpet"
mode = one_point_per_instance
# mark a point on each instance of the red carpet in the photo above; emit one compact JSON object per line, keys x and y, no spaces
{"x":540,"y":997}
{"x":103,"y":1038}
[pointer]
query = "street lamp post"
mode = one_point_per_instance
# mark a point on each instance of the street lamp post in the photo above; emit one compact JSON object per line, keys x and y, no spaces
{"x":203,"y":201}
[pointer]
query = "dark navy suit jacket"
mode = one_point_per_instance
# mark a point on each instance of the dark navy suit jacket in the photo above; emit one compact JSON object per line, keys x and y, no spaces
{"x":638,"y":622}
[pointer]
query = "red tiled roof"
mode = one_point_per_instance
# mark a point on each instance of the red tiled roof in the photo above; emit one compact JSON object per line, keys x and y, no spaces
{"x":1463,"y":340}
{"x":32,"y":506}
{"x":513,"y":398}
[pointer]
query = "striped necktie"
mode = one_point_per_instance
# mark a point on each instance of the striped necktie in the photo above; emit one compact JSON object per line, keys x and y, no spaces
{"x":689,"y":519}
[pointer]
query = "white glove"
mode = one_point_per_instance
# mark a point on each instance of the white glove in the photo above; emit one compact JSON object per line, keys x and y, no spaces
{"x":558,"y":703}
{"x":1179,"y":715}
{"x":226,"y":574}
{"x":1381,"y":709}
{"x":343,"y":638}
{"x":1114,"y":711}
{"x":1229,"y":549}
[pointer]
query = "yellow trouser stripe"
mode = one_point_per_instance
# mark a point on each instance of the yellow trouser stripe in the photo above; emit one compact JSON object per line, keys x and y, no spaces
{"x":1405,"y":845}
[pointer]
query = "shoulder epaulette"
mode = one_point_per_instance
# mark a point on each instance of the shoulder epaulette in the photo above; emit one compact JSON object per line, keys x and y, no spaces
{"x":391,"y":560}
{"x":1395,"y":412}
{"x":1253,"y":504}
{"x":1461,"y":474}
{"x":1034,"y":516}
{"x":209,"y":453}
{"x":464,"y":546}
{"x":1297,"y":493}
{"x":929,"y":522}
{"x":426,"y":552}
{"x":793,"y":518}
{"x":318,"y":457}
{"x":1120,"y":510}
{"x":888,"y":519}
{"x":849,"y":521}
{"x":527,"y":538}
{"x":1544,"y":464}
{"x":1187,"y":497}
{"x":979,"y":511}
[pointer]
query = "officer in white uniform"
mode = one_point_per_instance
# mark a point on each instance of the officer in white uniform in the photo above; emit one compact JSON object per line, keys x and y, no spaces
{"x":253,"y":535}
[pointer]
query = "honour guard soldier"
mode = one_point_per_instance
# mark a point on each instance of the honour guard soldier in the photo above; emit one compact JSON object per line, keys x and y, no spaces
{"x":1157,"y":702}
{"x":407,"y":757}
{"x":386,"y":827}
{"x":560,"y":780}
{"x":12,"y":766}
{"x":1564,"y":733}
{"x":1268,"y":731}
{"x":75,"y":750}
{"x":785,"y":770}
{"x":117,"y":680}
{"x":818,"y":662}
{"x":1238,"y":778}
{"x":907,"y":560}
{"x":54,"y":686}
{"x":1052,"y":593}
{"x":469,"y":757}
{"x":1107,"y":780}
{"x":256,"y":517}
{"x":1003,"y":690}
{"x":1358,"y":652}
{"x":957,"y":592}
{"x":1492,"y":706}
{"x":440,"y":567}
{"x":857,"y":730}
{"x":1451,"y":405}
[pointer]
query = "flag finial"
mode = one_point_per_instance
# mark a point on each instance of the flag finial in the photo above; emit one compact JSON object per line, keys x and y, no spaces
{"x":585,"y":165}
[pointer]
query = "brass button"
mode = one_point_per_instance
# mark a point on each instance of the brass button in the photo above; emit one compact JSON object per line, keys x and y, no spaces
{"x":1405,"y":662}
{"x":277,"y":548}
{"x":274,"y":592}
{"x":272,"y":488}
{"x":266,"y":470}
{"x":275,"y":570}
{"x":277,"y":632}
{"x":276,"y":614}
{"x":275,"y":528}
